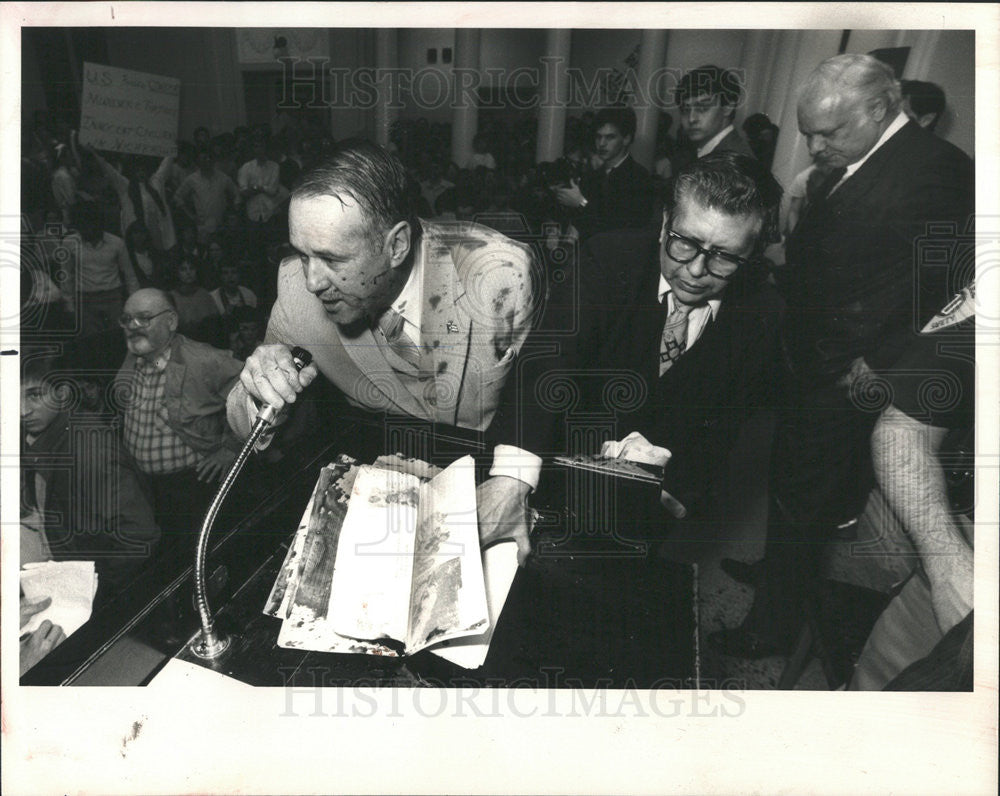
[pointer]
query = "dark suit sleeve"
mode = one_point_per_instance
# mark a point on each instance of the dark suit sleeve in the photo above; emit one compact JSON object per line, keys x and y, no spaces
{"x":873,"y":262}
{"x":932,"y":217}
{"x":701,"y":446}
{"x":623,"y":201}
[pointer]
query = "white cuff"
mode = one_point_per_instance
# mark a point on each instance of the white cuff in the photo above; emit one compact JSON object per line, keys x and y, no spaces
{"x":517,"y":463}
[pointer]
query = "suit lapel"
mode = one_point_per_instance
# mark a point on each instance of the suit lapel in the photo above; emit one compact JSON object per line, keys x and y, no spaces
{"x":176,"y":369}
{"x":870,"y":173}
{"x":445,"y":329}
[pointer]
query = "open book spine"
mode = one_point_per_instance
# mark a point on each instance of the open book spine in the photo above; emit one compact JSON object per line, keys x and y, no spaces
{"x":448,"y":589}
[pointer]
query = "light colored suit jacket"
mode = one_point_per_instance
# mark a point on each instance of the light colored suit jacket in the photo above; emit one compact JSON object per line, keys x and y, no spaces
{"x":480,"y":299}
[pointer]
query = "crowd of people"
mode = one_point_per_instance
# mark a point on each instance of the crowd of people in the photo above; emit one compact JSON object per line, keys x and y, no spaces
{"x":162,"y":276}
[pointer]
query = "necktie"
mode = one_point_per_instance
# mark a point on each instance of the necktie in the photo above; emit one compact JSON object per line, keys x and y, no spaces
{"x":391,"y":326}
{"x":674,"y":339}
{"x":819,"y":188}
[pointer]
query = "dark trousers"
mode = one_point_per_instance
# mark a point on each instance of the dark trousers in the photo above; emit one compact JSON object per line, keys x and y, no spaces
{"x":821,"y":475}
{"x":180,"y":501}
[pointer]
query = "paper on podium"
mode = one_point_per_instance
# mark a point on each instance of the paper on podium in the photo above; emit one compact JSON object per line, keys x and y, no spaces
{"x":499,"y":568}
{"x":71,"y":585}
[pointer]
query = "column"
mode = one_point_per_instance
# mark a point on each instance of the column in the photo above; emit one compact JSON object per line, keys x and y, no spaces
{"x":465,"y":115}
{"x":652,"y":49}
{"x":386,"y":57}
{"x":555,"y":96}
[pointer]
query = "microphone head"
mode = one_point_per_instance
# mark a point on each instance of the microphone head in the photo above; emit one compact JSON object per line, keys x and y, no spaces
{"x":301,"y":357}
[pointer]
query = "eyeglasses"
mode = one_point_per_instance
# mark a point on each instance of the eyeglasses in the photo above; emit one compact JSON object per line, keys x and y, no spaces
{"x":718,"y":263}
{"x":142,"y":321}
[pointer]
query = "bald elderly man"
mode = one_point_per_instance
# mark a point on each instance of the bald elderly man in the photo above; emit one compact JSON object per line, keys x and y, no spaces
{"x":857,"y":292}
{"x":173,"y":395}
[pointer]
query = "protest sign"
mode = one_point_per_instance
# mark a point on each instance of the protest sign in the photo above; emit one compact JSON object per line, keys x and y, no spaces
{"x":122,"y":110}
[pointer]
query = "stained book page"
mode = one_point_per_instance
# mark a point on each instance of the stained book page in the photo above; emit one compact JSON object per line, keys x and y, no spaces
{"x":499,"y":568}
{"x":301,"y":594}
{"x":448,"y":593}
{"x":372,"y":572}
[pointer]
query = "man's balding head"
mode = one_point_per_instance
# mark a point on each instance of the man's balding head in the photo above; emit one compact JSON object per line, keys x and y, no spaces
{"x":845,"y":105}
{"x":150,"y":322}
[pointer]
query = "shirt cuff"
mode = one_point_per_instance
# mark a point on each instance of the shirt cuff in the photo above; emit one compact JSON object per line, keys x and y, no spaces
{"x":517,"y":463}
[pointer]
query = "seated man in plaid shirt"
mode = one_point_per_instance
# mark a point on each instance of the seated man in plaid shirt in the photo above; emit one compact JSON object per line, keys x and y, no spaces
{"x":174,"y":399}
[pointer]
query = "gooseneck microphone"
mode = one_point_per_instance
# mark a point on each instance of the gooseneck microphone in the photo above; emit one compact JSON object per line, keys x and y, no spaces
{"x":209,"y":643}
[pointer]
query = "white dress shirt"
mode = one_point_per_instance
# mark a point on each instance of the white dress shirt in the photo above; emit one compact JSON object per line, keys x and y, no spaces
{"x":713,"y":142}
{"x":698,"y":318}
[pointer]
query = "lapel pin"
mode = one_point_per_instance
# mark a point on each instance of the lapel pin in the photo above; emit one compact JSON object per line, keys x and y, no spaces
{"x":451,"y":326}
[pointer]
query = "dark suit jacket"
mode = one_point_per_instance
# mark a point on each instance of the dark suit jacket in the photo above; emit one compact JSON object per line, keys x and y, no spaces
{"x":865,"y":269}
{"x":697,"y":407}
{"x":622,"y":199}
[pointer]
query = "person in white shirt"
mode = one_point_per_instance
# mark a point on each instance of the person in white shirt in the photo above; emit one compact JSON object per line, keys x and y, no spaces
{"x":205,"y":196}
{"x":103,"y":270}
{"x":258,"y":183}
{"x":143,"y":198}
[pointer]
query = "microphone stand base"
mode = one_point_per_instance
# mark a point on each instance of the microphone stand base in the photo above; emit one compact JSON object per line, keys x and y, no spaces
{"x":209,"y":648}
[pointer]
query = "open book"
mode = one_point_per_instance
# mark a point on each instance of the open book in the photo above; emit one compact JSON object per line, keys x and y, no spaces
{"x":387,"y":562}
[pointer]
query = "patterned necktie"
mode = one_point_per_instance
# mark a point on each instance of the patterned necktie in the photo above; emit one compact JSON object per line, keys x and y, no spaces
{"x":391,"y":326}
{"x":674,"y":339}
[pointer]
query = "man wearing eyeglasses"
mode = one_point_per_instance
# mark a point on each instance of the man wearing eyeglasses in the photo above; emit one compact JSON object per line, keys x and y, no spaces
{"x":173,"y":394}
{"x":700,"y":329}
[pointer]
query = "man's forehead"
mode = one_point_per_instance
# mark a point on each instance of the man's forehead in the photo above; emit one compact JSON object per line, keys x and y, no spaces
{"x":608,"y":129}
{"x":690,"y":210}
{"x":149,"y":302}
{"x":826,"y":101}
{"x":335,"y":212}
{"x":702,"y":99}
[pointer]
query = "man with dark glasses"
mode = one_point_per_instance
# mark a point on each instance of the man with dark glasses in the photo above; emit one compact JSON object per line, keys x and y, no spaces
{"x":690,"y":316}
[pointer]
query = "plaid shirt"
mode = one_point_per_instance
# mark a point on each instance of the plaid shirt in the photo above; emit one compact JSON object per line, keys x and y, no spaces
{"x":155,"y":446}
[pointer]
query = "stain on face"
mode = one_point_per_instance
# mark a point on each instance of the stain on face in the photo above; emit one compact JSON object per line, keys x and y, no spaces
{"x":353,"y":280}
